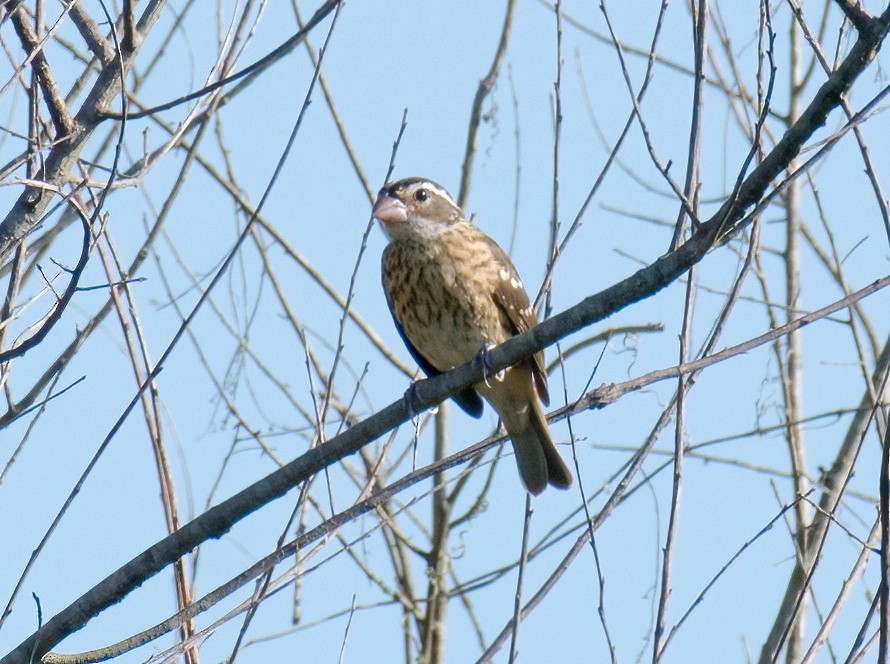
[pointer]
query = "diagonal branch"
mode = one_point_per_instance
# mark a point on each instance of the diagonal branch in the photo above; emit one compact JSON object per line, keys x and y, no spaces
{"x":855,"y":13}
{"x":55,"y":101}
{"x":216,"y":521}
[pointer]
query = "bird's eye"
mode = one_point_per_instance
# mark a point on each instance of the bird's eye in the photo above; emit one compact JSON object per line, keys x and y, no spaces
{"x":421,"y":195}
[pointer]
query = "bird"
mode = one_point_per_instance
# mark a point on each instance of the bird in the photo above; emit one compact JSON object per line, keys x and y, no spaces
{"x":453,"y":293}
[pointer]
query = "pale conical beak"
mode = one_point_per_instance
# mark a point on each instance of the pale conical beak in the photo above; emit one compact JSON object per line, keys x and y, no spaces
{"x":390,"y":210}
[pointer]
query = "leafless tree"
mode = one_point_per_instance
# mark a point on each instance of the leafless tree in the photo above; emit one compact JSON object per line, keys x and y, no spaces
{"x":271,"y":346}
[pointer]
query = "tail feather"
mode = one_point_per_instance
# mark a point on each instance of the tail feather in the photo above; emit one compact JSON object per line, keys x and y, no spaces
{"x":558,"y":472}
{"x":515,"y":399}
{"x":538,"y":459}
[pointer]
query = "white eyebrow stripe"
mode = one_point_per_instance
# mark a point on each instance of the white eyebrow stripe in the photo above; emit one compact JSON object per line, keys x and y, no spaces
{"x":429,"y":184}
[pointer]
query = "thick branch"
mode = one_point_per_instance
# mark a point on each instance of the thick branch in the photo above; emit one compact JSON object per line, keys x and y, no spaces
{"x":55,"y":101}
{"x":92,"y":35}
{"x":26,"y":212}
{"x":813,"y":117}
{"x":855,"y":13}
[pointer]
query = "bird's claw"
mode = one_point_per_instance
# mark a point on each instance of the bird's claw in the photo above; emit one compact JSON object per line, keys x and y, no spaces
{"x":484,"y":362}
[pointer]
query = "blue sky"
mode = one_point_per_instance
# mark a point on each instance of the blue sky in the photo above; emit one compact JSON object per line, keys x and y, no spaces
{"x":428,"y":57}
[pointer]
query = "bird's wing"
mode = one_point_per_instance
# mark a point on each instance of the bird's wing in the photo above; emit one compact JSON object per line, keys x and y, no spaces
{"x":468,"y":399}
{"x":510,"y":296}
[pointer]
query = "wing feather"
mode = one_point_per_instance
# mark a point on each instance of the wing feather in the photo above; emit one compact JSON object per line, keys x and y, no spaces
{"x":510,"y":297}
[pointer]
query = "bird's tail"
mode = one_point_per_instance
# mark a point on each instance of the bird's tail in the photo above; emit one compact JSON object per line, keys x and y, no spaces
{"x":538,"y":459}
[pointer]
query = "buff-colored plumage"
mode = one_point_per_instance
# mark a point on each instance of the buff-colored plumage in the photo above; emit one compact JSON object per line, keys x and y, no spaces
{"x":453,"y":291}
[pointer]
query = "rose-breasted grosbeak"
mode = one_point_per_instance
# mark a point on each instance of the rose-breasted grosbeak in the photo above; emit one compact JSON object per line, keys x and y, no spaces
{"x":452,"y":292}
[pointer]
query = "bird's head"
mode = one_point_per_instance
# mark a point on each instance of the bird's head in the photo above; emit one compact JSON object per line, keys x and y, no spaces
{"x":415,"y":206}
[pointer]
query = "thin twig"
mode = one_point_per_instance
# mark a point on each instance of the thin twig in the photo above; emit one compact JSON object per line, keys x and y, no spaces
{"x":520,"y":577}
{"x":350,"y":292}
{"x":691,"y":189}
{"x":168,"y":350}
{"x":884,"y":589}
{"x":644,"y":282}
{"x":729,"y":563}
{"x":664,"y":169}
{"x":270,"y":58}
{"x":613,"y":155}
{"x":482,"y":91}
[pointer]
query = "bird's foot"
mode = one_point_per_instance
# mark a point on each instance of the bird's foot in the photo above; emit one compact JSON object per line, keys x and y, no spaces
{"x":484,"y":363}
{"x":412,"y":400}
